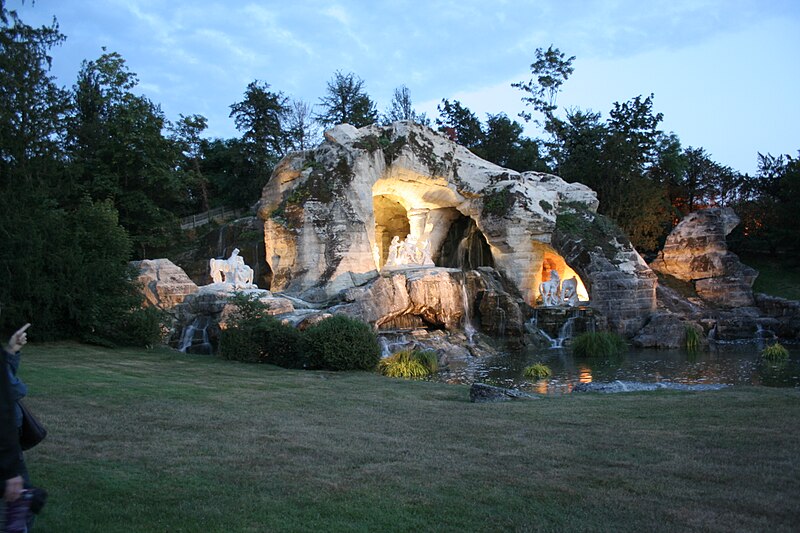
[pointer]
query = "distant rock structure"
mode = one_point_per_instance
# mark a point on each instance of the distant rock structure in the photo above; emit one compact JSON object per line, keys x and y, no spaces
{"x":705,"y":288}
{"x":696,"y":252}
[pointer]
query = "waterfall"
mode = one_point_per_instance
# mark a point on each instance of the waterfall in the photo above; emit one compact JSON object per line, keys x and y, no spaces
{"x":565,"y":333}
{"x":194,"y":338}
{"x":469,"y":329}
{"x":389,"y":347}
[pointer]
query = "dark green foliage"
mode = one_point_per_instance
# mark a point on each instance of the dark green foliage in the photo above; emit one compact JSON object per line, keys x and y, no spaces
{"x":342,"y":343}
{"x":347,"y":103}
{"x":254,"y":336}
{"x":460,"y":124}
{"x":498,"y":202}
{"x":576,"y":222}
{"x":598,"y":344}
{"x":262,"y":340}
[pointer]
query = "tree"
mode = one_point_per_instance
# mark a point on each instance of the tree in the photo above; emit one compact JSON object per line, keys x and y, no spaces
{"x":301,"y":129}
{"x":63,"y":262}
{"x":260,"y":118}
{"x":186,"y":135}
{"x":346,"y":102}
{"x":118,"y":151}
{"x":402,"y":109}
{"x":504,"y":145}
{"x":551,"y":69}
{"x":461,"y":124}
{"x":32,"y":107}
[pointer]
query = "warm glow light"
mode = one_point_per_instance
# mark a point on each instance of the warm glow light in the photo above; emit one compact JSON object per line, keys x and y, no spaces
{"x":584,"y":374}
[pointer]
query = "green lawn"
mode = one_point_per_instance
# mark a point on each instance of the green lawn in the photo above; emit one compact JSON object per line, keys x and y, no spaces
{"x":166,"y":442}
{"x":777,"y":276}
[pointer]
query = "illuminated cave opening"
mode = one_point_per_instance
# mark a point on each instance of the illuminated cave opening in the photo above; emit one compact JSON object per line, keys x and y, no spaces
{"x":391,"y":220}
{"x":547,"y":259}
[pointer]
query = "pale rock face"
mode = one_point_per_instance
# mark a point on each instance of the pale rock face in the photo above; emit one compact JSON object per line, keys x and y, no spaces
{"x":696,"y":251}
{"x":164,"y":284}
{"x":330,"y":213}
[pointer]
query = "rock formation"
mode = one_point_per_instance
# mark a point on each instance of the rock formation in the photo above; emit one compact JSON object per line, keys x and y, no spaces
{"x":164,"y":285}
{"x":696,"y":252}
{"x":333,"y":215}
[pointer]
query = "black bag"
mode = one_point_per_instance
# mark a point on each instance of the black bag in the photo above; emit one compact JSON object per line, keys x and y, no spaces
{"x":32,"y":432}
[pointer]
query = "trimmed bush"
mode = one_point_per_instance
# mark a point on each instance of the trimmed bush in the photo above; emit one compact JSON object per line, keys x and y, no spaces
{"x":775,"y":352}
{"x":409,"y":364}
{"x":262,"y":340}
{"x":537,"y":371}
{"x":598,"y":344}
{"x":341,"y":343}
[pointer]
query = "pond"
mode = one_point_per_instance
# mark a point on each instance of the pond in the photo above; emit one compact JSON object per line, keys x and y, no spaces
{"x":729,"y":364}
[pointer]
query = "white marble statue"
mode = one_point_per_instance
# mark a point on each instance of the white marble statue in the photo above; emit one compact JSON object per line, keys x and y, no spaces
{"x":550,"y":290}
{"x":394,"y":249}
{"x":232,"y":271}
{"x":409,"y":252}
{"x":569,"y":292}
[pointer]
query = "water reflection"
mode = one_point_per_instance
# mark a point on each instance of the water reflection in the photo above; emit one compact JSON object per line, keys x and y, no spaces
{"x":730,"y":364}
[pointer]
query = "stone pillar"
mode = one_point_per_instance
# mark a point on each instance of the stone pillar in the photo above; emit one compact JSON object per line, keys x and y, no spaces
{"x":417,"y":218}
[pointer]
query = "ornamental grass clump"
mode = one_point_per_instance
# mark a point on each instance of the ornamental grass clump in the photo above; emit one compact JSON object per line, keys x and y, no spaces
{"x":692,"y":339}
{"x":598,"y":344}
{"x":537,"y":371}
{"x":409,"y":364}
{"x":775,"y":352}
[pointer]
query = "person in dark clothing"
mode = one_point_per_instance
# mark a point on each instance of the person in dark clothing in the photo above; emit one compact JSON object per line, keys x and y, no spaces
{"x":10,"y":453}
{"x":13,"y":389}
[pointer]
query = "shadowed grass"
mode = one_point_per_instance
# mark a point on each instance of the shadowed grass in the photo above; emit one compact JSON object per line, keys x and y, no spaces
{"x":163,"y":441}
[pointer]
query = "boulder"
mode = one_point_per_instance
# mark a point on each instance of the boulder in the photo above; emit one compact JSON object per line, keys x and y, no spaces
{"x":695,"y":251}
{"x":482,"y":393}
{"x":666,"y":330}
{"x":164,"y":285}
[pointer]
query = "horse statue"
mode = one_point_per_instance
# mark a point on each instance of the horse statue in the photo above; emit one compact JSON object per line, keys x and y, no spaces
{"x":550,"y":290}
{"x":569,"y":291}
{"x":232,"y":271}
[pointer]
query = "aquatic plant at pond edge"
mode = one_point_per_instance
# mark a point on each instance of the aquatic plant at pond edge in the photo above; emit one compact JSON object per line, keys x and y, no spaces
{"x":537,"y":371}
{"x":409,"y":364}
{"x":598,"y":344}
{"x":692,"y":339}
{"x":775,"y":352}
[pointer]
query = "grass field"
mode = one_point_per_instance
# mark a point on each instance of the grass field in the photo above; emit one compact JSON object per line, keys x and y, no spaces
{"x":777,"y":276}
{"x":161,"y":441}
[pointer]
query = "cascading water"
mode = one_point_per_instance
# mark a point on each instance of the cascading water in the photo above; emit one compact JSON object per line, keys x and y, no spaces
{"x":195,"y":338}
{"x":391,"y":345}
{"x":469,"y":329}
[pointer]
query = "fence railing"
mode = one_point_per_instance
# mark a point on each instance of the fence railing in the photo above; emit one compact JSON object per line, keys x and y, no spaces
{"x":220,"y":214}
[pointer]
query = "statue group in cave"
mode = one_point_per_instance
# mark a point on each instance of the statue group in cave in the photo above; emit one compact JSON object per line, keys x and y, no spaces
{"x":409,"y":252}
{"x":232,"y":271}
{"x":554,"y":292}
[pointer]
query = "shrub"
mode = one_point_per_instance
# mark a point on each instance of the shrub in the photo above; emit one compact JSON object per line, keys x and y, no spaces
{"x":410,"y":364}
{"x":775,"y":352}
{"x":262,"y":340}
{"x":598,"y":344}
{"x":537,"y":371}
{"x":341,"y":343}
